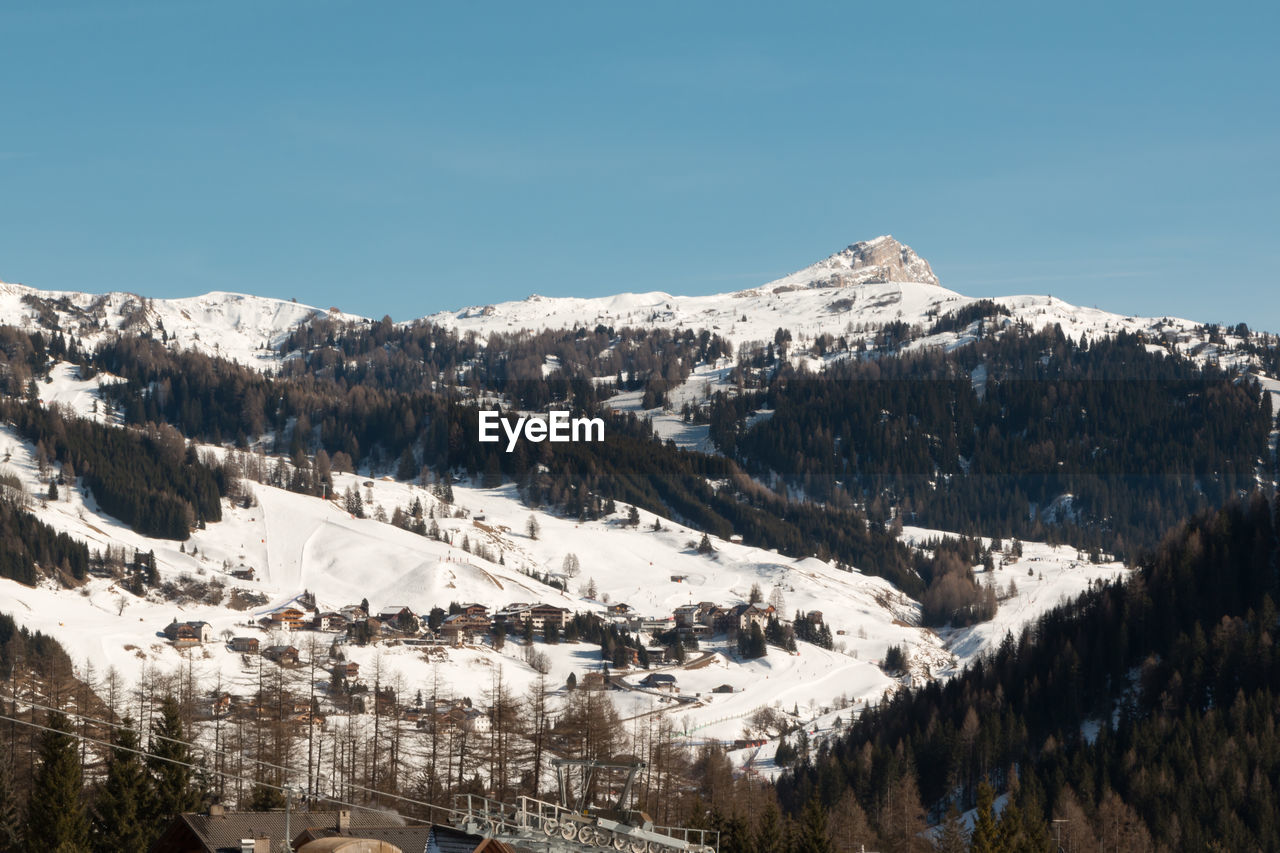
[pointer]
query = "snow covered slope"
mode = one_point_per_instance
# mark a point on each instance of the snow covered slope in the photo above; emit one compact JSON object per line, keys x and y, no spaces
{"x":851,"y":293}
{"x":243,"y":328}
{"x":300,"y":544}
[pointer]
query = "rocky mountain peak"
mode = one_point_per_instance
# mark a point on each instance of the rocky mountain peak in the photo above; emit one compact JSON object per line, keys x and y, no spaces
{"x":868,"y":261}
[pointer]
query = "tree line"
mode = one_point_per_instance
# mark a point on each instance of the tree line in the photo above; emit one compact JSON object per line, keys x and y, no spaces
{"x":151,"y":480}
{"x":1032,"y":434}
{"x":1126,"y":712}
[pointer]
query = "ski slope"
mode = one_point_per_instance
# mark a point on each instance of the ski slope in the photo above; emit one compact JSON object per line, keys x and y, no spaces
{"x":299,"y":543}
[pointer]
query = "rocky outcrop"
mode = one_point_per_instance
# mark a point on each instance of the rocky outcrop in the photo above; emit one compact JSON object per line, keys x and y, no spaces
{"x":869,"y":261}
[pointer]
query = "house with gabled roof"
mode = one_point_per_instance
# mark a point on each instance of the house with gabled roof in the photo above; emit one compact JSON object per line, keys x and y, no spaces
{"x":283,"y":655}
{"x":401,"y":618}
{"x":220,"y":830}
{"x":188,"y":633}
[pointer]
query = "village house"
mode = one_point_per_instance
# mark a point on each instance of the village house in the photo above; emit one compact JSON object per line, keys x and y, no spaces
{"x":543,"y":614}
{"x":459,"y":712}
{"x":476,"y":611}
{"x":460,"y":628}
{"x":746,"y":615}
{"x":513,"y":615}
{"x":289,"y":618}
{"x":216,"y":706}
{"x":659,"y":681}
{"x":283,"y":655}
{"x":366,"y":630}
{"x":244,"y":573}
{"x":350,"y":670}
{"x":720,"y":619}
{"x":400,"y":618}
{"x":219,"y":830}
{"x":299,"y":711}
{"x":471,"y":720}
{"x":353,"y":613}
{"x":696,"y":619}
{"x":245,"y":645}
{"x":517,"y":616}
{"x":686,"y":615}
{"x":183,"y":634}
{"x":329,"y":621}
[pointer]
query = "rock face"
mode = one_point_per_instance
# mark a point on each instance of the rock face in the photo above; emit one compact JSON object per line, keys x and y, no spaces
{"x":878,"y":260}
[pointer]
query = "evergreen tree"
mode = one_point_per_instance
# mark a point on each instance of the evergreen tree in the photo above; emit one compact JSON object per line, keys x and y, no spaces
{"x":769,"y":835}
{"x":10,"y":816}
{"x":812,"y":836}
{"x":117,"y":817}
{"x":850,"y":829}
{"x":1009,"y":829}
{"x":173,"y":783}
{"x":264,"y":798}
{"x":492,"y":477}
{"x":902,"y":820}
{"x":986,"y":834}
{"x":407,"y":468}
{"x":735,"y":834}
{"x":1028,"y":797}
{"x":55,"y":817}
{"x":952,"y":838}
{"x":353,"y":502}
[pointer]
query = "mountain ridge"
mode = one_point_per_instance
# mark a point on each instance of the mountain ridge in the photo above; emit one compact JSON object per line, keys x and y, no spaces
{"x":867,"y":285}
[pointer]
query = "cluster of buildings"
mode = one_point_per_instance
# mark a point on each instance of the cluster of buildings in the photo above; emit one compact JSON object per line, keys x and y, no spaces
{"x":471,"y":622}
{"x":706,"y":618}
{"x":284,"y":708}
{"x":390,"y":622}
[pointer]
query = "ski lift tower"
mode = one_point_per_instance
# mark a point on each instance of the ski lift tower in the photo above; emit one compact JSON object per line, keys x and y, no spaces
{"x":574,"y":825}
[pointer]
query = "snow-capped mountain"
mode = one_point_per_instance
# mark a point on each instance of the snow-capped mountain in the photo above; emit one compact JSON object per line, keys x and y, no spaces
{"x":851,"y":293}
{"x":297,"y":543}
{"x":864,"y":286}
{"x":241,"y":327}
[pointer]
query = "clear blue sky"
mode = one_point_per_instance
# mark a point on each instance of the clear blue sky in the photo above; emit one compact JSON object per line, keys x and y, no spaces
{"x":406,"y":158}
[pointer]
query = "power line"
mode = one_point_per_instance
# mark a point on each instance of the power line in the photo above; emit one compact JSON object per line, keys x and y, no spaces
{"x":208,"y":751}
{"x":198,"y":767}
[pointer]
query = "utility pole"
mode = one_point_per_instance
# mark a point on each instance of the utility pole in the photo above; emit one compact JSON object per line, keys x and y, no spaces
{"x":287,"y":847}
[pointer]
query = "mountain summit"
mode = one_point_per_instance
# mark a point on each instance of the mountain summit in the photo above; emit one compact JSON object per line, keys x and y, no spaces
{"x":868,"y":261}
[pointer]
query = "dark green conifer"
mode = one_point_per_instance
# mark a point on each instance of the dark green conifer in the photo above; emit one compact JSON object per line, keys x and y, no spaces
{"x":117,"y":815}
{"x":55,"y":817}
